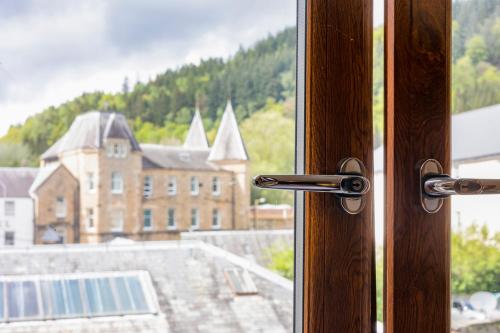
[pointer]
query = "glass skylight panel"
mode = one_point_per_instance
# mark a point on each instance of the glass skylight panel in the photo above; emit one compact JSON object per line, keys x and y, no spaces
{"x":76,"y":295}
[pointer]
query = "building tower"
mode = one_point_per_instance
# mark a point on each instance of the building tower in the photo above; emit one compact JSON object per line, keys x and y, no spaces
{"x":229,"y":153}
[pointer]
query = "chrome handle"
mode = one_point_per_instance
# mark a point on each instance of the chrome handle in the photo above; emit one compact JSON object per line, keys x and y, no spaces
{"x":443,"y":186}
{"x":436,"y":186}
{"x":349,"y":184}
{"x":343,"y":185}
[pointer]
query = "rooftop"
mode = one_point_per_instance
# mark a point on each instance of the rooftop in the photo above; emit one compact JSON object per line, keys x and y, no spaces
{"x":190,"y":280}
{"x":16,"y":182}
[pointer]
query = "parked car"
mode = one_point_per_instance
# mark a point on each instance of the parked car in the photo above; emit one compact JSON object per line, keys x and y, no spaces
{"x":466,"y":310}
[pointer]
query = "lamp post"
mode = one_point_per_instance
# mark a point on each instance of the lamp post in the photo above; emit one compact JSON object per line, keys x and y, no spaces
{"x":256,"y":202}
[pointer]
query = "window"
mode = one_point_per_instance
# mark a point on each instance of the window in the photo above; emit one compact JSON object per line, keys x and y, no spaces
{"x":148,"y":219}
{"x":90,"y":182}
{"x":90,"y":219}
{"x":172,"y":186}
{"x":9,"y":208}
{"x":60,"y":207}
{"x":195,"y":218}
{"x":215,"y":186}
{"x":79,"y":295}
{"x":171,"y":219}
{"x":9,"y":238}
{"x":116,"y":183}
{"x":240,"y":281}
{"x":216,"y":219}
{"x":148,"y":186}
{"x":117,"y":150}
{"x":195,"y":186}
{"x":117,"y":220}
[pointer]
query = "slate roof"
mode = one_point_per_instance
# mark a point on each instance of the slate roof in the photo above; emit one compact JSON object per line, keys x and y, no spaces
{"x":252,"y":244}
{"x":175,"y":157}
{"x":91,"y":130}
{"x":474,"y":134}
{"x":196,"y":137}
{"x":188,"y":278}
{"x":15,"y":182}
{"x":228,"y":144}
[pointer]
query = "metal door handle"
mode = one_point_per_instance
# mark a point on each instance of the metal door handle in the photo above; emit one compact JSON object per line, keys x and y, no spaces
{"x":435,"y":186}
{"x":349,"y":184}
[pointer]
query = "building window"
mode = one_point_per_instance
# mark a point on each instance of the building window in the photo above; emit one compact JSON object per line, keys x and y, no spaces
{"x":118,"y":150}
{"x":148,"y":187}
{"x":9,"y":238}
{"x":9,"y":208}
{"x":195,"y":218}
{"x":171,"y":219}
{"x":215,"y":186}
{"x":172,"y":186}
{"x":117,"y":220}
{"x":90,"y":219}
{"x":148,"y":219}
{"x":195,"y":186}
{"x":116,"y":182}
{"x":90,"y":182}
{"x":216,"y":219}
{"x":60,"y":207}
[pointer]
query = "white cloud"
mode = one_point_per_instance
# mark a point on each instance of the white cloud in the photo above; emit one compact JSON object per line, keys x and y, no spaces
{"x":54,"y":50}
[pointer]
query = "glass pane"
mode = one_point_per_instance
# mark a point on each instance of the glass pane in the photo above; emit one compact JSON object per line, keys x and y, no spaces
{"x":143,"y":150}
{"x":75,"y":306}
{"x":137,"y":293}
{"x":93,"y":297}
{"x":107,"y":299}
{"x":58,"y":302}
{"x":2,"y":317}
{"x":475,"y":237}
{"x":125,"y":299}
{"x":30,"y":299}
{"x":14,"y":299}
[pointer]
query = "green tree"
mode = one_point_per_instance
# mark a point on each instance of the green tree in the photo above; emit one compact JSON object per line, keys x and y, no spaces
{"x":280,"y":256}
{"x":476,"y":49}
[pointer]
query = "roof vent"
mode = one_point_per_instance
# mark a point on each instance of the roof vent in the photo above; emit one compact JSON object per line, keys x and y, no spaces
{"x":240,"y":281}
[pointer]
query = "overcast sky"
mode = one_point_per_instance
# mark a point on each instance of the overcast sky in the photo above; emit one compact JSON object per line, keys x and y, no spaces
{"x":54,"y":50}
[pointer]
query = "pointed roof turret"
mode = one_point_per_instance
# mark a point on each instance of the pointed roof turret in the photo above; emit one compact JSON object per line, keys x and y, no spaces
{"x":228,"y":143}
{"x":196,"y":137}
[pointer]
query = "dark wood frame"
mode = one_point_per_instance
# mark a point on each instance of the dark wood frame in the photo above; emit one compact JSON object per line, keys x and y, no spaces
{"x":417,"y":114}
{"x":339,"y":288}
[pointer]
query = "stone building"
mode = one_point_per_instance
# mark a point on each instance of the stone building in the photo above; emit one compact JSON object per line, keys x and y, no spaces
{"x":97,"y":182}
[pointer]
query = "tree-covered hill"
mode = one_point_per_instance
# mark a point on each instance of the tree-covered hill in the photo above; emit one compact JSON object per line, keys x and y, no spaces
{"x":259,"y":80}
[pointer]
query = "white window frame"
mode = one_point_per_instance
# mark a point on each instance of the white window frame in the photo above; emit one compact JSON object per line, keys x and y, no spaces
{"x":9,"y":211}
{"x":172,"y":186}
{"x":61,"y":207}
{"x":216,"y":216}
{"x":90,"y":217}
{"x":150,"y":227}
{"x":194,"y":185}
{"x":116,"y":183}
{"x":91,"y":183}
{"x":174,"y":225}
{"x":195,"y":217}
{"x":148,"y":187}
{"x":216,"y":188}
{"x":116,"y":215}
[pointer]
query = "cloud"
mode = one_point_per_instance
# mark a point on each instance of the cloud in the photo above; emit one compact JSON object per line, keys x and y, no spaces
{"x":54,"y":50}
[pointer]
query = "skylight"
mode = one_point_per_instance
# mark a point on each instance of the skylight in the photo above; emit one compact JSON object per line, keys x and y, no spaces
{"x":82,"y":295}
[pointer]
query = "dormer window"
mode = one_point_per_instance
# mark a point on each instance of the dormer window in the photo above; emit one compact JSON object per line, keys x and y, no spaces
{"x":116,"y":150}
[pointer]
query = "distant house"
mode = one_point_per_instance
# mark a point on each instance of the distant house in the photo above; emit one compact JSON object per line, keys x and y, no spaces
{"x":16,"y":206}
{"x":183,"y":286}
{"x":97,"y":182}
{"x":475,"y":154}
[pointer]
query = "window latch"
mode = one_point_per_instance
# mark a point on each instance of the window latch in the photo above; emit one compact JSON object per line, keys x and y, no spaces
{"x":436,"y":186}
{"x":349,"y":184}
